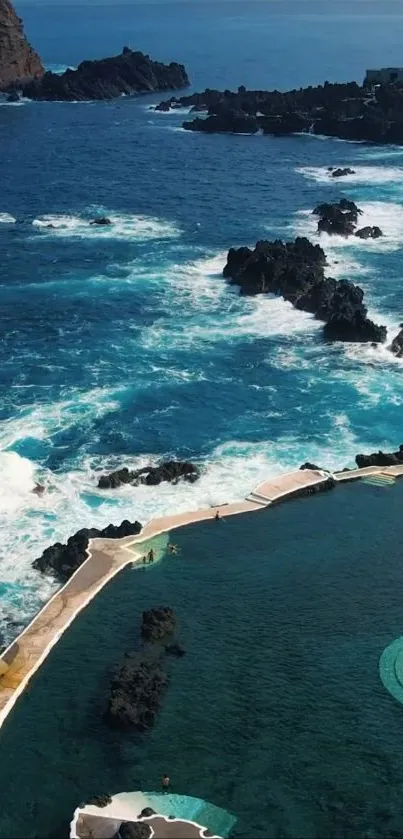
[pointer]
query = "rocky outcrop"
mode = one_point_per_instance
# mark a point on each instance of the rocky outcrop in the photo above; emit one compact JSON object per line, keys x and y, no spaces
{"x":348,"y":111}
{"x":295,"y":270}
{"x":397,"y":345}
{"x":158,"y":623}
{"x":342,"y":173}
{"x":136,"y":693}
{"x":169,"y":470}
{"x":369,"y":232}
{"x":62,"y":560}
{"x":380,"y":459}
{"x":337,"y":219}
{"x":134,"y":830}
{"x":127,"y":73}
{"x":138,"y":685}
{"x":18,"y":61}
{"x":101,"y":800}
{"x":310,"y":466}
{"x":102,"y":221}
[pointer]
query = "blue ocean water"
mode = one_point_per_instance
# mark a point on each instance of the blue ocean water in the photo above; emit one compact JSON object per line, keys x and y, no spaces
{"x":277,"y":712}
{"x":123,"y":345}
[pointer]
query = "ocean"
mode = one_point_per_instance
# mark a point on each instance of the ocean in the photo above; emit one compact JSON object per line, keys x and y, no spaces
{"x":123,"y":345}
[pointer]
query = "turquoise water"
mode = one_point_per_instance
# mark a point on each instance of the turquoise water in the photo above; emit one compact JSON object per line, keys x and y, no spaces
{"x":123,"y":345}
{"x":277,"y":713}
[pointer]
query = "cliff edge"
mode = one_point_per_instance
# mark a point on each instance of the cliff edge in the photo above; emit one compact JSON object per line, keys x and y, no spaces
{"x":18,"y":61}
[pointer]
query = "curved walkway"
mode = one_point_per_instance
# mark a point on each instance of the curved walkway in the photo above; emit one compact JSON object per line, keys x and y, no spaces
{"x":106,"y":557}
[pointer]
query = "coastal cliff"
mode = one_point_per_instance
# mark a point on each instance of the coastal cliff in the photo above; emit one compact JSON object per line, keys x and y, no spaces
{"x":18,"y":60}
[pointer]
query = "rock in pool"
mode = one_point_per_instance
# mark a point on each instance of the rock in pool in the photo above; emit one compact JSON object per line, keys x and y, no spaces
{"x":136,"y":693}
{"x":157,"y":623}
{"x":177,"y":650}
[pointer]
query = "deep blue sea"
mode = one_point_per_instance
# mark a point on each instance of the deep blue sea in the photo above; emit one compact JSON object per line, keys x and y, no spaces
{"x":124,"y":345}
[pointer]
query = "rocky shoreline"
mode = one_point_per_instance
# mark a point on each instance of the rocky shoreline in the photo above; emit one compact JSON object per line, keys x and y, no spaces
{"x":347,"y":111}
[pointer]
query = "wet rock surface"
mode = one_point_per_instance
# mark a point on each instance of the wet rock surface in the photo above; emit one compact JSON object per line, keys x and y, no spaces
{"x":348,"y":111}
{"x":157,"y":623}
{"x":170,"y":470}
{"x":380,"y":458}
{"x":61,"y":561}
{"x":296,"y":271}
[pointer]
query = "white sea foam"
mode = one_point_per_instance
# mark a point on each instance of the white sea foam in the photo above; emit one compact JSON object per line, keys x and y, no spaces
{"x":124,"y":226}
{"x":6,"y":218}
{"x":372,"y":175}
{"x":386,"y":215}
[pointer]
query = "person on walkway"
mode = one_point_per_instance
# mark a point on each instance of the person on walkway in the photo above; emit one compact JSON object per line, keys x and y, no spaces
{"x":165,"y":783}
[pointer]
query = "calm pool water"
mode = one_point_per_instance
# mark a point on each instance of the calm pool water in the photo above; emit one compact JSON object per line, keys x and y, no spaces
{"x":277,"y":712}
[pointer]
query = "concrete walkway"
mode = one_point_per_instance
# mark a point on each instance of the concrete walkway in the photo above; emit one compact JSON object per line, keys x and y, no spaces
{"x":106,"y":557}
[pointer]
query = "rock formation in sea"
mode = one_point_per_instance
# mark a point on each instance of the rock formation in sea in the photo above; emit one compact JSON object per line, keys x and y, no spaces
{"x":296,"y":271}
{"x":138,"y":685}
{"x":341,"y":218}
{"x":341,"y":173}
{"x":128,"y":73}
{"x":62,"y":560}
{"x":397,"y":345}
{"x":349,"y":111}
{"x":168,"y":470}
{"x":380,"y":458}
{"x":19,"y":63}
{"x":157,"y":623}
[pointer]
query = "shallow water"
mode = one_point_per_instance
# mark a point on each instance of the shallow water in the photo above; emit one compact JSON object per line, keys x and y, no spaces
{"x":277,"y":712}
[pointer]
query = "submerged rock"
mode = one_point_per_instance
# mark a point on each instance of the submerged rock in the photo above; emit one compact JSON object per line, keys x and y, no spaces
{"x":62,"y":560}
{"x":136,"y":693}
{"x":380,"y":458}
{"x":127,"y":73}
{"x":295,"y":270}
{"x":169,"y":470}
{"x":157,"y":623}
{"x":177,"y":650}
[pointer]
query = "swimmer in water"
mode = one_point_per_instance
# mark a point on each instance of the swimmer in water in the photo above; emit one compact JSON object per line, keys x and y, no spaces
{"x":173,"y":549}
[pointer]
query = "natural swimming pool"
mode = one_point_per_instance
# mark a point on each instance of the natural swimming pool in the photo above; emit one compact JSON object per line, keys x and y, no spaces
{"x":277,"y":712}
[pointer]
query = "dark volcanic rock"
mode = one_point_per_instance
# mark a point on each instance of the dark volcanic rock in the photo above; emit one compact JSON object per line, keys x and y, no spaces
{"x":309,"y":466}
{"x":348,"y":111}
{"x":62,"y":560}
{"x":134,"y":830}
{"x":136,"y":693}
{"x":169,"y":470}
{"x":103,"y":221}
{"x":380,"y":459}
{"x":128,"y":73}
{"x":146,"y":813}
{"x":340,"y":218}
{"x":397,"y":345}
{"x":157,"y":623}
{"x":175,"y":649}
{"x":18,"y":61}
{"x":341,"y":173}
{"x":369,"y":232}
{"x":101,"y":800}
{"x":295,"y":270}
